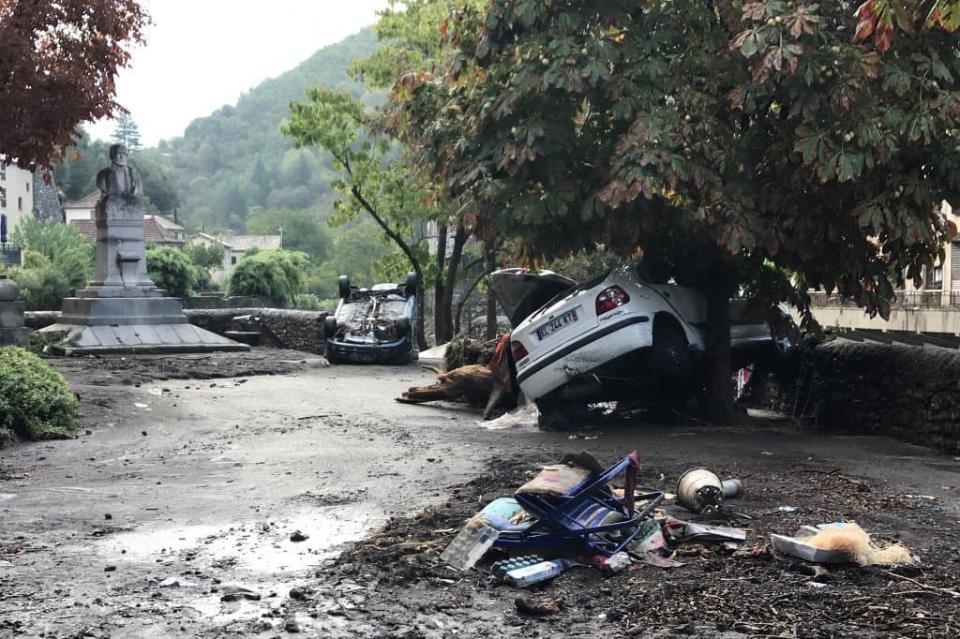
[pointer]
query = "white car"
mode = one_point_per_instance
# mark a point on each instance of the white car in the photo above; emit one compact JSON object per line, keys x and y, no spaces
{"x":612,"y":337}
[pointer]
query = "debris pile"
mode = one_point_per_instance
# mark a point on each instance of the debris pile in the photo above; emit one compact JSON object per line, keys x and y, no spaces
{"x":569,"y":515}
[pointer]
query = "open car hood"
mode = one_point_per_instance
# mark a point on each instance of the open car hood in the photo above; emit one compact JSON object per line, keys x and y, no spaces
{"x":521,"y":291}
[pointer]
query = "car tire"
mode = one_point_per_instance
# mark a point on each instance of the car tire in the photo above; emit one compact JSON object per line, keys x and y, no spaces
{"x":559,"y":415}
{"x":410,"y":286}
{"x":332,"y":357}
{"x":671,"y":353}
{"x":329,"y":327}
{"x":404,"y":328}
{"x":343,"y":283}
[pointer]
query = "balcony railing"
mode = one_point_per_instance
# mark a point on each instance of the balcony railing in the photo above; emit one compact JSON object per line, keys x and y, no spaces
{"x":9,"y":254}
{"x":904,"y":300}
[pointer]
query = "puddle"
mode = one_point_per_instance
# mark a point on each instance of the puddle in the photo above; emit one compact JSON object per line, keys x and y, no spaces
{"x":258,"y":547}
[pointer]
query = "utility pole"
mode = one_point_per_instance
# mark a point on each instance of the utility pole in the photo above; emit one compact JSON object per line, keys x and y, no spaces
{"x":281,"y":237}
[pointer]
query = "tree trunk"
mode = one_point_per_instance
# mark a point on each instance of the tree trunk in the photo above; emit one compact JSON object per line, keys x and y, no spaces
{"x":719,"y":400}
{"x":439,"y":291}
{"x":491,"y":300}
{"x":446,"y":329}
{"x":421,"y":305}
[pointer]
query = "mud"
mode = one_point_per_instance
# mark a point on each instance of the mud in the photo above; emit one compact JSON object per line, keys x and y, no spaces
{"x":178,"y":489}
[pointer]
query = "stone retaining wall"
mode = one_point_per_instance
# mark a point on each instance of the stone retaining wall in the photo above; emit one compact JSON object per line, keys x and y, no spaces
{"x":909,"y":393}
{"x":233,"y":302}
{"x":297,"y":330}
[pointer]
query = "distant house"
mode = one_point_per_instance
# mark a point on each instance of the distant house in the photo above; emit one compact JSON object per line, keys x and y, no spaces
{"x":81,"y":209}
{"x":157,"y":230}
{"x":234,"y":248}
{"x":16,"y":200}
{"x":16,"y":193}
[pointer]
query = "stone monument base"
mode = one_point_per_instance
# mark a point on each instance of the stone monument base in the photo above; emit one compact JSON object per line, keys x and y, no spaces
{"x":14,"y":336}
{"x":144,"y":325}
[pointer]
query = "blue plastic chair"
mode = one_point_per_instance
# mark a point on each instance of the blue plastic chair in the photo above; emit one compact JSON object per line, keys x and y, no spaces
{"x":573,"y":522}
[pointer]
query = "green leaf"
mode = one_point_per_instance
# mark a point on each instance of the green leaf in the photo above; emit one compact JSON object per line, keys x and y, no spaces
{"x":849,"y":165}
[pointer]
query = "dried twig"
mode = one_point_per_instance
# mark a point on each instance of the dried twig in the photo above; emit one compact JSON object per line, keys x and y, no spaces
{"x":952,"y":593}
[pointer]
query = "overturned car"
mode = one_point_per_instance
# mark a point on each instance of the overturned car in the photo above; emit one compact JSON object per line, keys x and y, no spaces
{"x":615,"y":337}
{"x":375,"y":325}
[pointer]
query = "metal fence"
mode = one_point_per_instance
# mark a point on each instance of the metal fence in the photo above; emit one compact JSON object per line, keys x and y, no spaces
{"x":11,"y":254}
{"x":903,"y":300}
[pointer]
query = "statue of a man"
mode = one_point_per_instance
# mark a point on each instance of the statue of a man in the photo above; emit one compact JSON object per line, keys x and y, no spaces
{"x":120,"y":179}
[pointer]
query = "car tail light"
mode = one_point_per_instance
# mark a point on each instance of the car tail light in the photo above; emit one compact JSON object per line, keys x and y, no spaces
{"x":519,"y":351}
{"x":610,"y":298}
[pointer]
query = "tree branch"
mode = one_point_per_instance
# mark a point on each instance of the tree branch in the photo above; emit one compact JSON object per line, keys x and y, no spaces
{"x":393,"y":235}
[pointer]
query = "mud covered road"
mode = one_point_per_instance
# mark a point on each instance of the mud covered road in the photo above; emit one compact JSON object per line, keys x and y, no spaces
{"x":179,"y":490}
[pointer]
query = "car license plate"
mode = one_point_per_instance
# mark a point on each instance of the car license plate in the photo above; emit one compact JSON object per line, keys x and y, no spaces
{"x":555,"y":325}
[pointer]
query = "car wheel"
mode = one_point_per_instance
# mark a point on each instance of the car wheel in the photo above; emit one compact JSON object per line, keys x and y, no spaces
{"x":404,"y":328}
{"x":560,"y":414}
{"x":329,"y":327}
{"x":670,"y":351}
{"x":343,"y":282}
{"x":333,"y":358}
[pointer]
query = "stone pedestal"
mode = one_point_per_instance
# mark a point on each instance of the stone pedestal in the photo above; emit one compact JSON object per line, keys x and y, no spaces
{"x":122,"y":310}
{"x":12,"y":330}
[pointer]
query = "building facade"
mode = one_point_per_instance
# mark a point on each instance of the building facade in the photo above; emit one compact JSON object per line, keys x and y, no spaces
{"x":16,"y":193}
{"x":933,"y":307}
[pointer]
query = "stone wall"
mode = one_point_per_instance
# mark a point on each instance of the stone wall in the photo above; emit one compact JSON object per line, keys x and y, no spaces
{"x":909,"y":393}
{"x":233,"y":302}
{"x":297,"y":330}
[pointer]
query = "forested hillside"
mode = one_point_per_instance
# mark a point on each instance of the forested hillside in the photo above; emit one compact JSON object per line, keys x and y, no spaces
{"x":234,"y":163}
{"x":235,"y":160}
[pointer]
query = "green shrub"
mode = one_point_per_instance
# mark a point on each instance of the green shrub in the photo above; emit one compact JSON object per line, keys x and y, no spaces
{"x":42,"y":285}
{"x":274,"y":274}
{"x":311,"y":302}
{"x":61,"y":244}
{"x":172,"y":271}
{"x":56,"y":262}
{"x":208,"y":256}
{"x":35,"y":402}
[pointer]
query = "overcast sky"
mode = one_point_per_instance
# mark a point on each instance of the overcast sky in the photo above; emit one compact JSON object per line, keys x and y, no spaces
{"x":202,"y":54}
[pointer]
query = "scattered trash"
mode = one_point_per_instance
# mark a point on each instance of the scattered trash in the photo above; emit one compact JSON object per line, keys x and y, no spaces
{"x":685,"y":532}
{"x":838,"y":543}
{"x":557,"y":479}
{"x":732,"y":487}
{"x":617,"y":562}
{"x":501,"y":567}
{"x":788,"y":509}
{"x":502,"y":513}
{"x":573,"y":511}
{"x":538,"y":607}
{"x":107,"y":516}
{"x":236,"y":593}
{"x":141,"y":405}
{"x":472,"y":543}
{"x":525,"y":416}
{"x":297,"y":536}
{"x":169,"y":582}
{"x":700,"y":491}
{"x":525,"y":576}
{"x":109,"y":568}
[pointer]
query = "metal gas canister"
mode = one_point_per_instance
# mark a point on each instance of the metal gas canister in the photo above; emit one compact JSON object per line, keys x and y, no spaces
{"x":700,"y":490}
